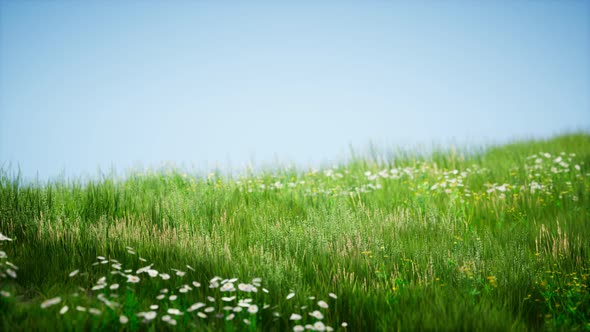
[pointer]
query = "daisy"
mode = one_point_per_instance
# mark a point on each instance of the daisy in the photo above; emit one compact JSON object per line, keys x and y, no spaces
{"x":50,"y":302}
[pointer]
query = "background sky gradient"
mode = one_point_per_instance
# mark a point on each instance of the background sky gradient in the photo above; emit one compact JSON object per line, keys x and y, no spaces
{"x":87,"y":84}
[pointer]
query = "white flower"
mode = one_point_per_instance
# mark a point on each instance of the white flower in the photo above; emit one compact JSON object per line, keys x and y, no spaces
{"x":295,"y":317}
{"x":50,"y":302}
{"x":190,"y":267}
{"x":154,"y":306}
{"x":228,"y":299}
{"x":211,"y":298}
{"x":176,"y":312}
{"x":298,"y":328}
{"x":4,"y":293}
{"x":316,"y":314}
{"x":123,"y":319}
{"x":322,"y":304}
{"x":73,"y":273}
{"x":246,"y":321}
{"x":290,"y":296}
{"x":228,"y":287}
{"x":196,"y":284}
{"x":332,"y":295}
{"x":114,"y":286}
{"x":230,"y":317}
{"x":246,"y":288}
{"x":166,"y":318}
{"x":202,"y":315}
{"x":11,"y":273}
{"x":150,"y":315}
{"x":319,"y":326}
{"x":3,"y":254}
{"x":79,"y":308}
{"x":344,"y":324}
{"x":64,"y":309}
{"x":253,"y":309}
{"x":196,"y":306}
{"x":95,"y":311}
{"x":173,"y":297}
{"x":144,"y":269}
{"x":152,"y":273}
{"x":132,"y":279}
{"x":160,"y":297}
{"x":209,"y":309}
{"x":4,"y":238}
{"x":164,"y":276}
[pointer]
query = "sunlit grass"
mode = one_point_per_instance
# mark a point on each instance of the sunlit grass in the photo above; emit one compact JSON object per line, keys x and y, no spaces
{"x":488,"y":240}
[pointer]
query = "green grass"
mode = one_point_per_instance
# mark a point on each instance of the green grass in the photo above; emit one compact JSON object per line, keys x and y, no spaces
{"x":493,"y":239}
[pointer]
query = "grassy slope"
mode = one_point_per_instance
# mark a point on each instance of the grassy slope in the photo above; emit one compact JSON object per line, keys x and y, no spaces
{"x":399,"y":253}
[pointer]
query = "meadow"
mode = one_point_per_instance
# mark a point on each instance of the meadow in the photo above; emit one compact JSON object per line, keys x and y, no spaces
{"x":495,"y":238}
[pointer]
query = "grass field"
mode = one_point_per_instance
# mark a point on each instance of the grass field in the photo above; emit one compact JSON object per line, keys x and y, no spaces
{"x":495,"y":239}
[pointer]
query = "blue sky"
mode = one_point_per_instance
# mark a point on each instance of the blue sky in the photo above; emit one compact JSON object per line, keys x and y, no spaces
{"x":88,"y":84}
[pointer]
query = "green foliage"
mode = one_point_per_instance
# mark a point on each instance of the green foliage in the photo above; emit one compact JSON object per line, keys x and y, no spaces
{"x":486,"y":239}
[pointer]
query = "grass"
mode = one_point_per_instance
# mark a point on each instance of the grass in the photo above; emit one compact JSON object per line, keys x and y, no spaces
{"x":495,"y":239}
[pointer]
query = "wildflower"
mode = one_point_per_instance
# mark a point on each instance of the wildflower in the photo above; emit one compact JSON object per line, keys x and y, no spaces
{"x":160,"y":297}
{"x":5,"y":293}
{"x":298,"y":328}
{"x":154,"y":306}
{"x":95,"y":311}
{"x":144,"y":269}
{"x":164,"y":276}
{"x":246,"y":321}
{"x":3,"y":254}
{"x":228,"y":299}
{"x":190,"y":267}
{"x":73,"y":273}
{"x":114,"y":286}
{"x":290,"y":296}
{"x":11,"y":273}
{"x":316,"y":314}
{"x":173,"y":297}
{"x":332,"y":295}
{"x":98,"y":287}
{"x":202,"y":315}
{"x":50,"y":302}
{"x":63,"y":310}
{"x":253,"y":309}
{"x":180,"y":273}
{"x":132,"y":279}
{"x":196,"y":284}
{"x":195,"y":306}
{"x":295,"y":317}
{"x":209,"y":309}
{"x":166,"y":318}
{"x":152,"y":273}
{"x":344,"y":324}
{"x":4,"y":238}
{"x":323,"y":304}
{"x":149,"y":315}
{"x":247,"y":288}
{"x":237,"y":309}
{"x":79,"y":308}
{"x":176,"y":312}
{"x":116,"y":266}
{"x":211,"y":298}
{"x":123,"y":319}
{"x":142,"y":259}
{"x":230,"y":317}
{"x":229,"y":287}
{"x":319,"y":326}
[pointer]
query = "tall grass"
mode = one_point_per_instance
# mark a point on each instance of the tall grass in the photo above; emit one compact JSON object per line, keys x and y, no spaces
{"x":493,"y":240}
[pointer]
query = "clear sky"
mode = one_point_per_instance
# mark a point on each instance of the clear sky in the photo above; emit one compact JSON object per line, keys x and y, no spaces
{"x":87,"y":84}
